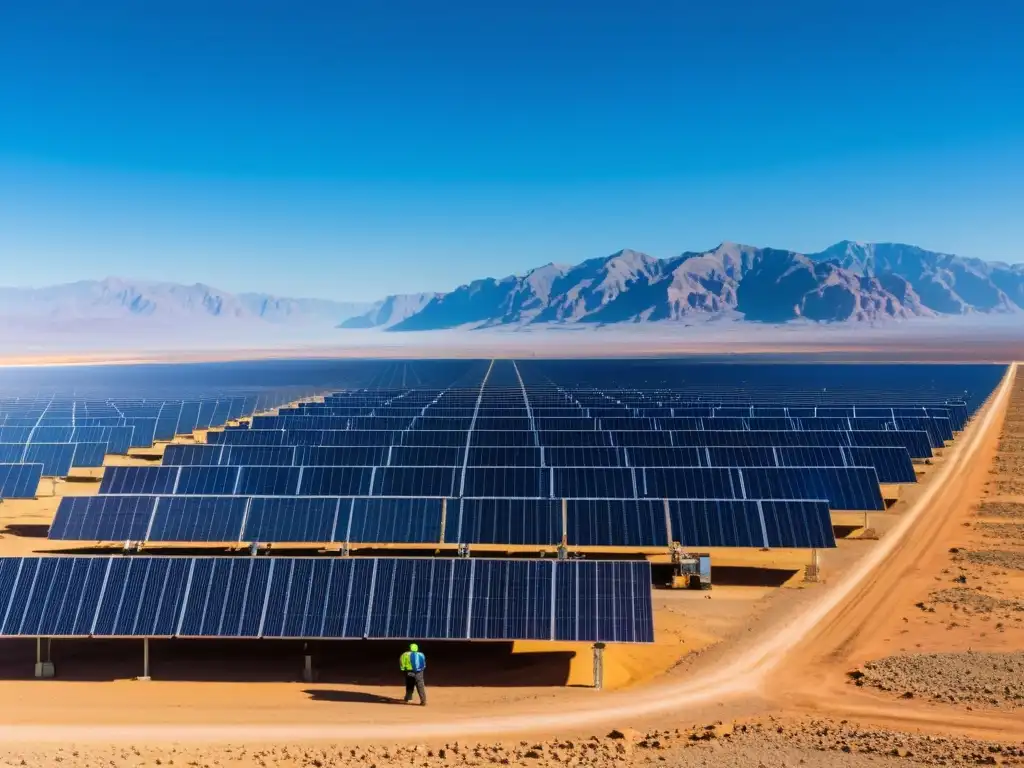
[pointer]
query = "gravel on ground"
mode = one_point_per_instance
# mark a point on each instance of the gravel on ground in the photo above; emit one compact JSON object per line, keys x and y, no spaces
{"x":984,"y":679}
{"x":766,"y":744}
{"x":1006,"y":532}
{"x":1009,"y":509}
{"x":974,"y":601}
{"x":997,"y":557}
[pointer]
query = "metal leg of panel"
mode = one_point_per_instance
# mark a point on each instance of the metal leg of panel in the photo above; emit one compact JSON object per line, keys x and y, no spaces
{"x":308,"y":675}
{"x":144,"y":677}
{"x":598,"y":666}
{"x":44,"y":666}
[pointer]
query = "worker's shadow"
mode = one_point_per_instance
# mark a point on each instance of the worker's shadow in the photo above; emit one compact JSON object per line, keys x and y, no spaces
{"x":349,"y":697}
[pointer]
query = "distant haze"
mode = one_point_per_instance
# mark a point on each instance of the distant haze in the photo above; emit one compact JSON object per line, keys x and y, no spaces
{"x":849,"y":284}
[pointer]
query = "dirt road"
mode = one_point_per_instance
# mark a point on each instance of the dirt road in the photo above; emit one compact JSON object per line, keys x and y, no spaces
{"x":796,"y":664}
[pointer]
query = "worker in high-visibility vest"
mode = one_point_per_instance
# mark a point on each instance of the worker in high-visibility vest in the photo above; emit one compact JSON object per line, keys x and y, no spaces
{"x":412,"y":664}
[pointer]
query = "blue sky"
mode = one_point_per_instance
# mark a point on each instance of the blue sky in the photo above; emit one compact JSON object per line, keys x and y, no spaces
{"x":353,"y":149}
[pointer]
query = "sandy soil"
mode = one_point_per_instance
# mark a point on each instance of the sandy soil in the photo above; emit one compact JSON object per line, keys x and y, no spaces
{"x":791,"y":655}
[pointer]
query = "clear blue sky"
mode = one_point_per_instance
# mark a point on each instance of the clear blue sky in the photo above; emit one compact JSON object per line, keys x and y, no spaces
{"x":352,"y":149}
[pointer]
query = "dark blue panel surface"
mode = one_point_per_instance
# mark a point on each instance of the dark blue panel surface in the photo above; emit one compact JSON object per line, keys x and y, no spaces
{"x":157,"y":480}
{"x":198,"y":519}
{"x":798,"y":524}
{"x":415,"y":481}
{"x":848,"y":488}
{"x":715,"y":523}
{"x":296,"y":519}
{"x":505,"y":521}
{"x":687,"y":483}
{"x":616,"y":523}
{"x":89,"y":454}
{"x":56,"y":458}
{"x":593,"y":482}
{"x":207,"y":481}
{"x":192,"y":455}
{"x":380,"y":520}
{"x":506,"y":482}
{"x":102,"y":518}
{"x":512,"y":599}
{"x":268,"y":481}
{"x":20,"y":481}
{"x":335,"y":481}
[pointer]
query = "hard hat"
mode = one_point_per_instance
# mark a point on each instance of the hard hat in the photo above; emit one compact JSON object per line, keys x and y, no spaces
{"x":414,"y":647}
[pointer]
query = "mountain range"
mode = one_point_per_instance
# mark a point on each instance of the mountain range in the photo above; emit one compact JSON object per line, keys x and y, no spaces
{"x":848,"y":282}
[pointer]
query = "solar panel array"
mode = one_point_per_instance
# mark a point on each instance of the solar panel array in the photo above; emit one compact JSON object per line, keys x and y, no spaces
{"x":60,"y":433}
{"x":505,"y":453}
{"x":329,"y":598}
{"x":538,"y":454}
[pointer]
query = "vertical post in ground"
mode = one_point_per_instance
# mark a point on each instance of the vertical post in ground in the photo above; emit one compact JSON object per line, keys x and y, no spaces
{"x":813,"y":569}
{"x":307,"y":668}
{"x":44,"y":666}
{"x":145,"y":659}
{"x":598,"y":666}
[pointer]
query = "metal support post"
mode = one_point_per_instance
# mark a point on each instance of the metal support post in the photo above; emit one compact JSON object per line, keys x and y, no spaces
{"x":145,"y":660}
{"x":598,"y":666}
{"x":307,"y":669}
{"x":44,"y":666}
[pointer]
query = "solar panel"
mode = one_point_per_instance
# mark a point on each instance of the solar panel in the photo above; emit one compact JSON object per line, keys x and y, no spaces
{"x":209,"y":518}
{"x":505,"y":521}
{"x":616,"y":523}
{"x":716,"y":523}
{"x":102,"y":518}
{"x":206,"y":481}
{"x":415,"y":481}
{"x":268,"y":481}
{"x":296,"y":519}
{"x":417,"y":598}
{"x":593,"y":482}
{"x":335,"y":481}
{"x":797,"y":524}
{"x":893,"y":465}
{"x":20,"y":481}
{"x":56,"y":458}
{"x":391,"y":520}
{"x":192,"y":455}
{"x":846,"y":488}
{"x":506,"y":482}
{"x":89,"y":454}
{"x":139,"y":480}
{"x":603,"y":602}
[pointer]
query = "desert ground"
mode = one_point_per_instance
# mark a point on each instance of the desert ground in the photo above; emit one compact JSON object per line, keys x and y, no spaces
{"x":908,"y":650}
{"x":938,"y":342}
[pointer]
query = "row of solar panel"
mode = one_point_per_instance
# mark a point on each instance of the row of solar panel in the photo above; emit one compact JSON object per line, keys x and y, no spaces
{"x":153,"y":422}
{"x":20,"y":481}
{"x":938,"y":429}
{"x":893,"y":465}
{"x":526,"y":522}
{"x":850,"y":488}
{"x":116,"y":439}
{"x":333,"y":598}
{"x":917,"y":443}
{"x":560,"y":417}
{"x":57,"y":458}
